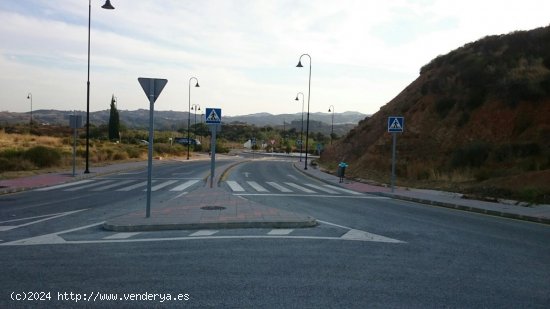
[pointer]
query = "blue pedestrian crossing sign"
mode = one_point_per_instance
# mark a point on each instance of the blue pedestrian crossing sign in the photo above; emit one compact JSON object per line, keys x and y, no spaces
{"x":396,"y":124}
{"x":213,"y":115}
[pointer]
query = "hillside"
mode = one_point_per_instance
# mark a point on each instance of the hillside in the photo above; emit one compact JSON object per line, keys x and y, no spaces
{"x":476,"y":120}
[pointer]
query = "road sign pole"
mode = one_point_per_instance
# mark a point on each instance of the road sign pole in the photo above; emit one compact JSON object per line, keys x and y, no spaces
{"x":150,"y":150}
{"x":152,"y":88}
{"x":393,"y":163}
{"x":213,"y":154}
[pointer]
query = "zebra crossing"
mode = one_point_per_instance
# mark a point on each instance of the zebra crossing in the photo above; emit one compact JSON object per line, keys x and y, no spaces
{"x":270,"y":187}
{"x":180,"y":185}
{"x":123,"y":185}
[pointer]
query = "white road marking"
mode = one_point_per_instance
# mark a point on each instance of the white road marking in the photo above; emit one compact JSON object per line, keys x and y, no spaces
{"x":89,"y":185}
{"x":363,"y":197}
{"x":132,"y":187}
{"x":293,"y":177}
{"x":203,"y":233}
{"x":64,"y":185}
{"x":54,"y":238}
{"x":234,"y":186}
{"x":185,"y":185}
{"x":116,"y":184}
{"x":303,"y":189}
{"x":321,"y":188}
{"x":120,"y":236}
{"x":257,"y":186}
{"x":280,"y":232}
{"x":47,"y":239}
{"x":278,"y":187}
{"x":49,"y":217}
{"x":343,"y":190}
{"x":162,"y":185}
{"x":366,"y":236}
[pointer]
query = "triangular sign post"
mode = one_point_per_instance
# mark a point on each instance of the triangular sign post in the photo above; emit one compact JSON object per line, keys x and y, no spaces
{"x":152,"y":87}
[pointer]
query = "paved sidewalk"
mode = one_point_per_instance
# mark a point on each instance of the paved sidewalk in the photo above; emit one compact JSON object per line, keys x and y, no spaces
{"x":508,"y":209}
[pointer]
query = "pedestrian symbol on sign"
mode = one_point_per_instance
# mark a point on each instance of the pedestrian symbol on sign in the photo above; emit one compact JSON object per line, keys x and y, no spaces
{"x":213,"y":115}
{"x":395,"y":124}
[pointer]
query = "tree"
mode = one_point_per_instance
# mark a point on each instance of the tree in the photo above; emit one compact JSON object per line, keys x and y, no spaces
{"x":114,"y":121}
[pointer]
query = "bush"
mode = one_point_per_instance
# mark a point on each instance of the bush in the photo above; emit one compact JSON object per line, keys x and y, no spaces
{"x":43,"y":156}
{"x":443,"y":106}
{"x":472,"y":155}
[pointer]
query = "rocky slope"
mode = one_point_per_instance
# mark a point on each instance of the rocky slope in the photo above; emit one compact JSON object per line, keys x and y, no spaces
{"x":476,"y":119}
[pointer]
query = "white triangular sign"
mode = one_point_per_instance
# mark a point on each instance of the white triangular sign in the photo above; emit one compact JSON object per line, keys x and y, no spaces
{"x":213,"y":117}
{"x":395,"y":125}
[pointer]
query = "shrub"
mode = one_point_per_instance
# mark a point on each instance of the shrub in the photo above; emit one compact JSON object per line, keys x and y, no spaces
{"x":472,"y":155}
{"x":443,"y":106}
{"x":42,"y":156}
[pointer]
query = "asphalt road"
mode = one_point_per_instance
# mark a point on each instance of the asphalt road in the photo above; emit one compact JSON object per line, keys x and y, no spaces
{"x":367,"y":252}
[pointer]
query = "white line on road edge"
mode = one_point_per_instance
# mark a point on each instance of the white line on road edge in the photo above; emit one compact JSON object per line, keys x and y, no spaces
{"x":280,"y":232}
{"x":121,"y":235}
{"x":354,"y":234}
{"x":234,"y":186}
{"x":55,"y":239}
{"x":48,"y":239}
{"x":49,"y":217}
{"x":257,"y":186}
{"x":203,"y":233}
{"x":314,"y":195}
{"x":185,"y":185}
{"x":64,"y":185}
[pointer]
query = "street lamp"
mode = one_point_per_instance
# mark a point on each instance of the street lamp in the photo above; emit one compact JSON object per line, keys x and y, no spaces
{"x":299,"y":65}
{"x":107,"y":6}
{"x":302,"y":130}
{"x":29,"y":96}
{"x":189,"y":115}
{"x":332,"y":126}
{"x":195,"y":108}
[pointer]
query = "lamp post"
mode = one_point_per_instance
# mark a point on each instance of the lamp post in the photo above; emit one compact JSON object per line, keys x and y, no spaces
{"x":302,"y":130}
{"x":189,"y":115}
{"x":29,"y":96}
{"x":107,"y":6}
{"x":332,"y":126}
{"x":299,"y":65}
{"x":195,"y":108}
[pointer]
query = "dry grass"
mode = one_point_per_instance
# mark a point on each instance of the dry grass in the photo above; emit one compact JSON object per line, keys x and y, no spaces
{"x":27,"y":141}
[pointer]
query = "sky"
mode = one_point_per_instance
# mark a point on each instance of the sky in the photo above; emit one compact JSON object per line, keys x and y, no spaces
{"x":243,"y":52}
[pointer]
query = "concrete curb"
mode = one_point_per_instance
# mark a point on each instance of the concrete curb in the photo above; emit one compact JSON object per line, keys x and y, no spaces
{"x":466,"y":208}
{"x":443,"y":204}
{"x":311,"y":222}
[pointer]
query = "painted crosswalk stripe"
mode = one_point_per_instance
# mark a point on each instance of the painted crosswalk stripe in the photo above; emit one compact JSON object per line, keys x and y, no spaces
{"x":303,"y":189}
{"x":343,"y":190}
{"x":162,"y":185}
{"x":204,"y":233}
{"x":185,"y":185}
{"x":321,"y":188}
{"x":116,"y":184}
{"x":257,"y":186}
{"x":70,"y":184}
{"x":280,"y":232}
{"x":99,"y":183}
{"x":120,"y":236}
{"x":132,"y":187}
{"x":234,"y":186}
{"x":279,"y":187}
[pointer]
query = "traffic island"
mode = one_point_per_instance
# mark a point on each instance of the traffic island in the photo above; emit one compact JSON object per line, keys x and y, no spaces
{"x":209,"y":209}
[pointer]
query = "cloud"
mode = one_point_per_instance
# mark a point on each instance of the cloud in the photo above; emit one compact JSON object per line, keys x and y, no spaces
{"x":244,"y":52}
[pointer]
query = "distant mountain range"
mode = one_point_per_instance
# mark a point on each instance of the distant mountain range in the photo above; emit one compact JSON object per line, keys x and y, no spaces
{"x":173,"y":120}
